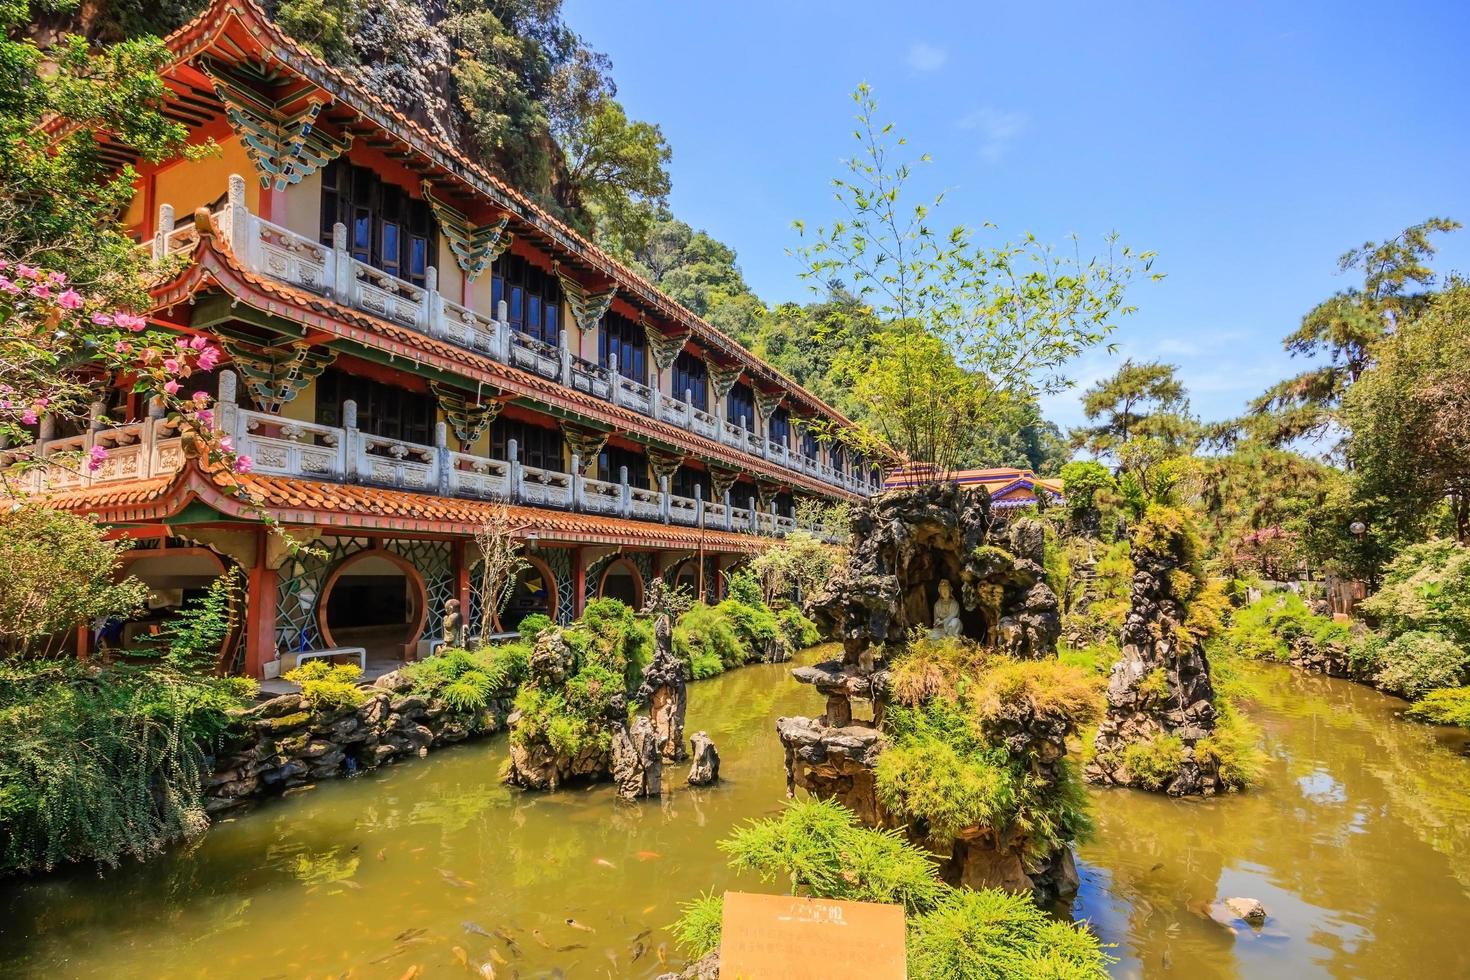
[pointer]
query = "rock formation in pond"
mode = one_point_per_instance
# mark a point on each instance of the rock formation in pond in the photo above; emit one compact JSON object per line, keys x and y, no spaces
{"x":663,"y":689}
{"x":906,"y":543}
{"x":1161,"y":702}
{"x":637,"y":764}
{"x":704,"y":766}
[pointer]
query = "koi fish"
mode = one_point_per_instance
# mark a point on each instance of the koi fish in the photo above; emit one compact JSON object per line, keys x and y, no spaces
{"x":408,"y":934}
{"x":578,"y":926}
{"x":638,"y":950}
{"x":500,"y":960}
{"x":411,"y":972}
{"x":648,"y":855}
{"x":540,"y":939}
{"x":663,"y":954}
{"x":570,"y":946}
{"x":455,"y":880}
{"x":487,"y":970}
{"x":474,"y":928}
{"x":383,"y":854}
{"x":510,"y":944}
{"x":604,"y":863}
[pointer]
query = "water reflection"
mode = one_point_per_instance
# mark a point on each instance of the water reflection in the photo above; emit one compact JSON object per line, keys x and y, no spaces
{"x":1359,"y":847}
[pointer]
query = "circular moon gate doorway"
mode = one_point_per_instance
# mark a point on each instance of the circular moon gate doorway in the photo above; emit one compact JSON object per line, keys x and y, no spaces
{"x":621,"y":581}
{"x":375,"y":600}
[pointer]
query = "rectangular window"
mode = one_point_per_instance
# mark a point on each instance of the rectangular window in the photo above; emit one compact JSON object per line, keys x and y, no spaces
{"x":533,"y":298}
{"x":740,"y":407}
{"x":386,"y":228}
{"x":613,"y":458}
{"x":617,"y":335}
{"x":809,"y":444}
{"x":537,"y":445}
{"x":780,"y":427}
{"x":686,"y":479}
{"x":691,"y":378}
{"x":383,"y":410}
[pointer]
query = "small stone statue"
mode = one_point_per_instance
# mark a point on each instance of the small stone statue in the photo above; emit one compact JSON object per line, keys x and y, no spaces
{"x":946,"y":613}
{"x":453,"y":624}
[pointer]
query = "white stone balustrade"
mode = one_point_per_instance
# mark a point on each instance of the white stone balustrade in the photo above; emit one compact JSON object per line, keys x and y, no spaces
{"x":331,"y":271}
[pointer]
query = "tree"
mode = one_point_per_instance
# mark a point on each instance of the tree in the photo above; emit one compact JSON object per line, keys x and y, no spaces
{"x":971,"y":325}
{"x":1397,"y":284}
{"x":1408,"y":416}
{"x":501,"y":563}
{"x":615,"y":172}
{"x":1141,"y":400}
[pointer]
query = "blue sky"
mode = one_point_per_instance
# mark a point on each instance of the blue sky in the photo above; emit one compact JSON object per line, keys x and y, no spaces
{"x":1249,"y":144}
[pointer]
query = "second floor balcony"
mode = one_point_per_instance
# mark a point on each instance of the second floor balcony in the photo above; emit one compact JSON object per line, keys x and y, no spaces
{"x":268,"y":249}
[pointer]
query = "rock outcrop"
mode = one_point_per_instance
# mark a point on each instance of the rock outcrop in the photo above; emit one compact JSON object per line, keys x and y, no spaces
{"x":534,"y":763}
{"x":664,"y":688}
{"x":1161,"y":702}
{"x":704,"y":765}
{"x":637,"y":765}
{"x":906,"y":542}
{"x":285,"y":742}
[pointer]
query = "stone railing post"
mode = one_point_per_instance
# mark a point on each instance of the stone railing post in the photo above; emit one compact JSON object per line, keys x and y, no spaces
{"x":699,"y":505}
{"x":720,"y":434}
{"x":755,"y":517}
{"x":513,"y":451}
{"x":663,"y":499}
{"x":239,"y":222}
{"x":579,"y":484}
{"x":564,"y":352}
{"x":441,"y":455}
{"x":729,"y":513}
{"x":431,"y":315}
{"x":165,"y":227}
{"x":502,"y":332}
{"x":342,"y":277}
{"x":351,"y":441}
{"x":625,"y":493}
{"x":615,"y":395}
{"x":654,"y":394}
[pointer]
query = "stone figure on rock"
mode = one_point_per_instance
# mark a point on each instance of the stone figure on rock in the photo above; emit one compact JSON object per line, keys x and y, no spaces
{"x":946,"y":614}
{"x":453,"y":624}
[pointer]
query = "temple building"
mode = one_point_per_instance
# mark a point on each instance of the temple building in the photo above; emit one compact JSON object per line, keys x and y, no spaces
{"x":1010,"y":488}
{"x":412,"y":345}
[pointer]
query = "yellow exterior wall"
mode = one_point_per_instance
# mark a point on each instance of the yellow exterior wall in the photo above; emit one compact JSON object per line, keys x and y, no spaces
{"x":304,"y":207}
{"x":303,"y":407}
{"x":190,"y":184}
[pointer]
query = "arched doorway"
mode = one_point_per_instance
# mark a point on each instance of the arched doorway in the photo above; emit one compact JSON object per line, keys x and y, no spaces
{"x":621,"y":580}
{"x":686,"y":574}
{"x":374,"y":600}
{"x":176,"y":578}
{"x":534,"y":592}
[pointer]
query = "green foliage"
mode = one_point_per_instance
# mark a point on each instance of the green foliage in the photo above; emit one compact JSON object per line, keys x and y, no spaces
{"x":99,"y":765}
{"x":1426,"y":588}
{"x":532,"y":626}
{"x":191,"y":640}
{"x":1414,"y":663}
{"x":469,"y":680}
{"x":1234,"y":746}
{"x":797,"y":564}
{"x":58,"y":571}
{"x":973,"y":331}
{"x":697,"y":930}
{"x":1267,"y":628}
{"x":797,"y":631}
{"x":1156,"y":761}
{"x":616,"y":640}
{"x":1444,"y":706}
{"x":1141,"y":401}
{"x":325,"y":26}
{"x":818,"y":849}
{"x":742,"y":586}
{"x":328,"y":686}
{"x":988,"y":934}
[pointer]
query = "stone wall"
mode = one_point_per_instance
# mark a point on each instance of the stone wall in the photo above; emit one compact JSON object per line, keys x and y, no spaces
{"x":285,"y":742}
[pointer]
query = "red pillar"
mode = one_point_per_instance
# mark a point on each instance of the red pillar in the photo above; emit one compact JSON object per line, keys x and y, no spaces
{"x":579,"y":583}
{"x":260,"y":612}
{"x":461,"y":570}
{"x":273,"y":204}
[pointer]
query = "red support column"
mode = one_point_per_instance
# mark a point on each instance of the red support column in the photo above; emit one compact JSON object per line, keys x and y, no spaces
{"x":579,"y":583}
{"x":260,"y":612}
{"x":273,"y":204}
{"x":461,"y":571}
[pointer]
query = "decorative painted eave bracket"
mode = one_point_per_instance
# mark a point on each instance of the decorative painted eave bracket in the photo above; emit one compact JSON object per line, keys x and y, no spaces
{"x":664,"y":463}
{"x":587,"y":307}
{"x":665,"y":347}
{"x":766,"y":402}
{"x":475,"y":247}
{"x":469,"y":419}
{"x":721,"y":479}
{"x":284,"y":144}
{"x":721,"y":377}
{"x":276,"y":375}
{"x":586,"y":443}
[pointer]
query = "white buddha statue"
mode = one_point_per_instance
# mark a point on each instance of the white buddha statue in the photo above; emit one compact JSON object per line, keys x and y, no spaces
{"x":946,"y":613}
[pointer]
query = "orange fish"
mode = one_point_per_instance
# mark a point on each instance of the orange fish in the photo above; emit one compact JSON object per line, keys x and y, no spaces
{"x":648,"y":855}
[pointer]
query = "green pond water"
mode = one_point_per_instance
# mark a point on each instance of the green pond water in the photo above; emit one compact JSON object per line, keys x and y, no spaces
{"x":1359,"y":846}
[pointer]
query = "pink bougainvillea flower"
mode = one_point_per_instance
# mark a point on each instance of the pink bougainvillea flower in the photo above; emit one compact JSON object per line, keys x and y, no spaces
{"x":102,"y":319}
{"x":28,"y":417}
{"x":130,"y":322}
{"x":171,"y":365}
{"x":70,"y":300}
{"x":226,"y":444}
{"x":171,"y":386}
{"x":43,"y":402}
{"x":27,"y":271}
{"x":122,"y":347}
{"x":41,"y":291}
{"x":208,"y":358}
{"x":9,"y":287}
{"x":95,"y":458}
{"x":198,"y":341}
{"x":201,"y":398}
{"x":244,"y":464}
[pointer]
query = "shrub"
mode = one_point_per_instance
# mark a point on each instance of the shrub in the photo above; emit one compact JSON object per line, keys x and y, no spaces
{"x":929,"y":668}
{"x":1265,"y":629}
{"x":328,"y":686}
{"x":1156,"y":761}
{"x":610,"y":635}
{"x":1426,"y":588}
{"x":98,"y":765}
{"x":697,"y":931}
{"x":1050,"y":687}
{"x":1444,"y":706}
{"x":742,"y":586}
{"x":532,"y":626}
{"x":1234,"y":747}
{"x":798,"y":631}
{"x":1414,"y":663}
{"x":706,"y":640}
{"x":759,"y":632}
{"x":987,"y":933}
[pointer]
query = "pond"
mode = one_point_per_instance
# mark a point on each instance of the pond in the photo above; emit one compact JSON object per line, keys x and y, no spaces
{"x":1359,"y":847}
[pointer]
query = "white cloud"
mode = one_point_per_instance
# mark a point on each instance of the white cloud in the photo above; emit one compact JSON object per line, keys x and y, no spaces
{"x":926,"y":57}
{"x":997,"y":130}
